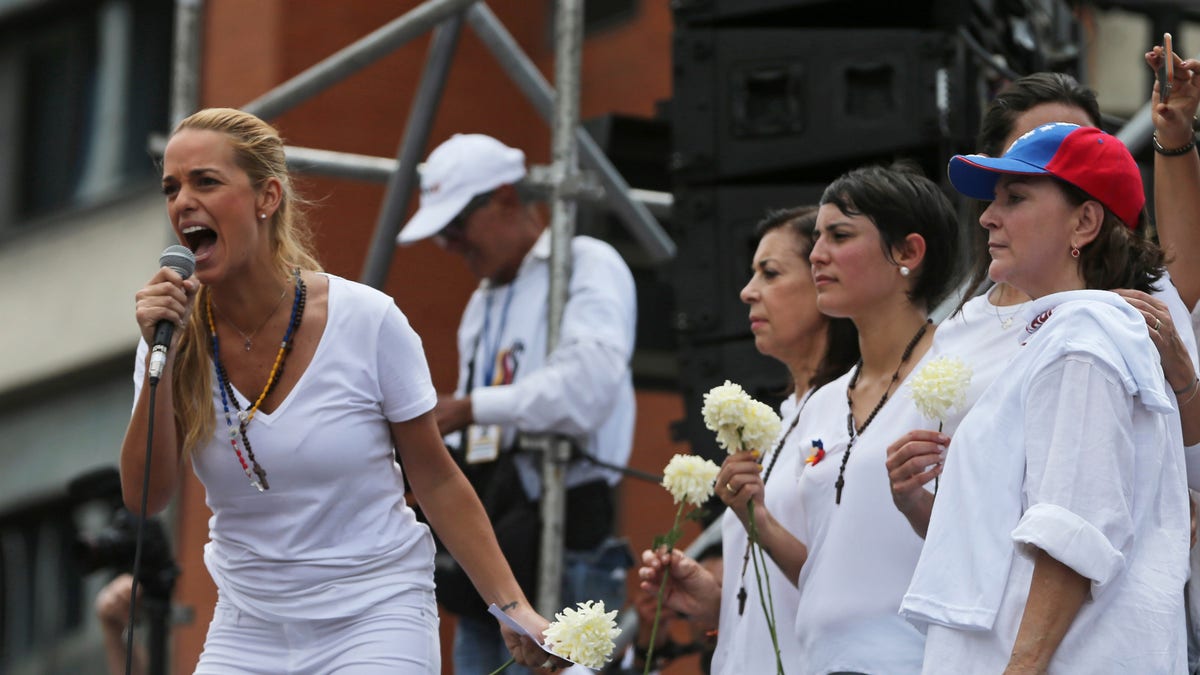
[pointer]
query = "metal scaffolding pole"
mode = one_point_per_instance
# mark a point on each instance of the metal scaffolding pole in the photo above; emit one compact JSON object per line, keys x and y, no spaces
{"x":355,"y":57}
{"x":416,"y":136}
{"x":529,"y":79}
{"x":340,"y":164}
{"x":568,"y":39}
{"x":372,"y":169}
{"x":1137,"y":131}
{"x":185,"y":67}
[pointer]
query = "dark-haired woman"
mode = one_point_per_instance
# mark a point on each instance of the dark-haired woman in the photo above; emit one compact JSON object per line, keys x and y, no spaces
{"x":1059,"y":539}
{"x":883,"y":255}
{"x":788,"y":327}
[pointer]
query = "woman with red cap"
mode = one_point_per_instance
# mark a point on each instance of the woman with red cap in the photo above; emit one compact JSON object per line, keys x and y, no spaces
{"x":982,"y":330}
{"x":1059,"y":538}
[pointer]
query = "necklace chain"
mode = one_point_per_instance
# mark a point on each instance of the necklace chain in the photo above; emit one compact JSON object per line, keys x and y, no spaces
{"x":249,"y":339}
{"x":1006,"y":319}
{"x":741,"y":596}
{"x":853,"y":432}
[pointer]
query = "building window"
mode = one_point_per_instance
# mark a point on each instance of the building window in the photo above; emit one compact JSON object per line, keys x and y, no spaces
{"x":82,"y":86}
{"x":39,"y":584}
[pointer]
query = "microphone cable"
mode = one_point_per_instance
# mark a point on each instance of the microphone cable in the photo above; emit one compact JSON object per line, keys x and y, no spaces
{"x":139,"y":537}
{"x":183,"y":261}
{"x":625,"y":470}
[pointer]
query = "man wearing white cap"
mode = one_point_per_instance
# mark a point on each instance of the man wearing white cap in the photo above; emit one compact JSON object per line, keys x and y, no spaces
{"x":507,"y":384}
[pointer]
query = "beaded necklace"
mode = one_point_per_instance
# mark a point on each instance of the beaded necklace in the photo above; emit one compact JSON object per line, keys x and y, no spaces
{"x":850,"y":429}
{"x":253,"y":470}
{"x":741,"y":596}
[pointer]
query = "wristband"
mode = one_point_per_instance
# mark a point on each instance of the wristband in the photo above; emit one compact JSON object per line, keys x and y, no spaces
{"x":1181,"y":392}
{"x":1194,"y":388}
{"x":1172,"y":152}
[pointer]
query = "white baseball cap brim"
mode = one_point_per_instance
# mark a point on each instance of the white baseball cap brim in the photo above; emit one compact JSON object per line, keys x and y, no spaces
{"x":464,"y":166}
{"x":431,"y":218}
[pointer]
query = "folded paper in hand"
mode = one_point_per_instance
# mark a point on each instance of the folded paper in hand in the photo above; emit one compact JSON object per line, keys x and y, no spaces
{"x":512,"y":623}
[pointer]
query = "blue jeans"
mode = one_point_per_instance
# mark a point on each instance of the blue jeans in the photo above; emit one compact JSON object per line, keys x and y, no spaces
{"x":587,"y":575}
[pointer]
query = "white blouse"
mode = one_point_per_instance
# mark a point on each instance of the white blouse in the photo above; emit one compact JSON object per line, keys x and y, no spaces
{"x":861,"y":552}
{"x":743,"y":641}
{"x":1074,"y":450}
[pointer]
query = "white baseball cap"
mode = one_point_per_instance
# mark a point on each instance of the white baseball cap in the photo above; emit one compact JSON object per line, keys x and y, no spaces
{"x":464,"y":166}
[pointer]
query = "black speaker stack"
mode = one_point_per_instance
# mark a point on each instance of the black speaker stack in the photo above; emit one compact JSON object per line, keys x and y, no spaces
{"x":772,"y":100}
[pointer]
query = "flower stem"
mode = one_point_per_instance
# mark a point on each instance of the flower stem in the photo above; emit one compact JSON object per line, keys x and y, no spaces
{"x":936,"y":478}
{"x":672,"y":536}
{"x":756,"y":552}
{"x":509,"y":662}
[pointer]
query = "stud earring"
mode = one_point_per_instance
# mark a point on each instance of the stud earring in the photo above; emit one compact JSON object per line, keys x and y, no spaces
{"x":1074,"y":251}
{"x":904,"y":271}
{"x":262,"y":216}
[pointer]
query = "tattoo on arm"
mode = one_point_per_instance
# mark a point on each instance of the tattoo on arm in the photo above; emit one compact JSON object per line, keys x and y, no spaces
{"x":511,"y":605}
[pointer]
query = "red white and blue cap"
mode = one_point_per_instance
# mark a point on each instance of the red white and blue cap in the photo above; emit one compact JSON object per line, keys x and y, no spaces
{"x":1086,"y":157}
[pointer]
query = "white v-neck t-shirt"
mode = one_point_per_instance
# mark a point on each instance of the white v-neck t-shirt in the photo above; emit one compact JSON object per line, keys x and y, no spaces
{"x":333,"y":534}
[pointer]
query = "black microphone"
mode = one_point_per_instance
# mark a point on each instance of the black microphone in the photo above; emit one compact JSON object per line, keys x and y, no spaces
{"x":182,"y":260}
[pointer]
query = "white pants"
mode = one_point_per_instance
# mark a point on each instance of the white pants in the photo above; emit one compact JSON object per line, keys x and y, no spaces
{"x":397,"y":636}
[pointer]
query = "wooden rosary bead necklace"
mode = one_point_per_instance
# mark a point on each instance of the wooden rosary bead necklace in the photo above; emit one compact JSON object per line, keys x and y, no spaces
{"x":850,"y":428}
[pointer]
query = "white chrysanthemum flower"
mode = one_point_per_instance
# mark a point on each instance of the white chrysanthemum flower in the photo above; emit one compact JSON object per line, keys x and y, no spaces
{"x":741,"y":422}
{"x":760,"y":427}
{"x":729,"y":438}
{"x":724,"y":406}
{"x":586,"y":635}
{"x":940,"y":386}
{"x":689,"y":478}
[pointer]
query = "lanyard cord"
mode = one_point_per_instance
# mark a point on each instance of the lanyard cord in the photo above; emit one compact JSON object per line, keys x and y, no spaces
{"x":490,"y":373}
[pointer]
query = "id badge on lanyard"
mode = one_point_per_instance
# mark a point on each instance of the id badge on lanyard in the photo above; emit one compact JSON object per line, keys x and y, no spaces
{"x":483,"y":443}
{"x":483,"y":440}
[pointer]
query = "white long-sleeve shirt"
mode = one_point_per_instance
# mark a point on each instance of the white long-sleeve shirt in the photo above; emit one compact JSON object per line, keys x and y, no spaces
{"x":1074,"y":450}
{"x":585,"y":388}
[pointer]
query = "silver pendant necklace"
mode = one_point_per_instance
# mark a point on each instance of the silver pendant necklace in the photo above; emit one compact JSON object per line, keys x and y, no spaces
{"x":1006,"y":319}
{"x":248,"y":340}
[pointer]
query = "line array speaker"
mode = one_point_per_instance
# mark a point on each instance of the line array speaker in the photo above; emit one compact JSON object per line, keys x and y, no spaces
{"x":749,"y":103}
